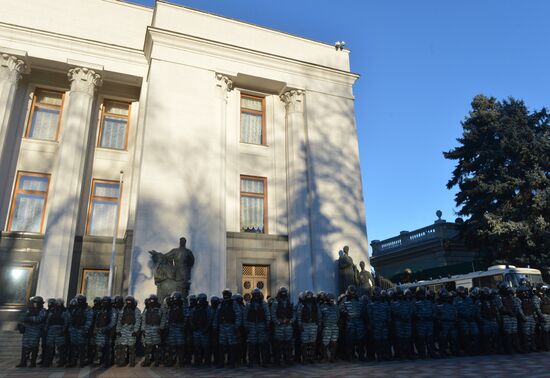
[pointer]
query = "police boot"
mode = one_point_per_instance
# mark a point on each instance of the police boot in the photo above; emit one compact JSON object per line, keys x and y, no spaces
{"x":97,"y":357}
{"x":430,"y":345}
{"x":82,"y":355}
{"x":421,"y":347}
{"x":120,"y":355}
{"x":147,"y":357}
{"x":220,"y":357}
{"x":132,"y":356}
{"x":264,"y":354}
{"x":545,"y":340}
{"x":443,"y":346}
{"x":62,"y":357}
{"x":181,"y":356}
{"x":332,"y":350}
{"x":251,"y":355}
{"x":47,"y":356}
{"x":197,"y":357}
{"x":34,"y":355}
{"x":107,"y":355}
{"x":231,"y":354}
{"x":24,"y":356}
{"x":361,"y":350}
{"x":169,"y":357}
{"x":387,"y":350}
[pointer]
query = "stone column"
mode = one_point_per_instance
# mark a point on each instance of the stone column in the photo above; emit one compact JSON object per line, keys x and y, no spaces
{"x":13,"y":64}
{"x":219,"y":263}
{"x":301,"y":257}
{"x":12,"y":67}
{"x":57,"y":251}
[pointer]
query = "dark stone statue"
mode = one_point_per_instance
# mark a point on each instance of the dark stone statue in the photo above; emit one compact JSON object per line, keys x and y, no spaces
{"x":347,"y":271}
{"x":172,"y":270}
{"x":365,"y":279}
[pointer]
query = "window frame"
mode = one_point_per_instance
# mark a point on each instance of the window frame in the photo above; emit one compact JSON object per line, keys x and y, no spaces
{"x":16,"y":191}
{"x":93,"y":270}
{"x":255,"y":195}
{"x":117,"y":201}
{"x":118,"y":116}
{"x":252,"y":111}
{"x":48,"y":106}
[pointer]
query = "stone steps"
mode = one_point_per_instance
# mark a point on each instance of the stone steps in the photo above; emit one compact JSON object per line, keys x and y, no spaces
{"x":11,"y":345}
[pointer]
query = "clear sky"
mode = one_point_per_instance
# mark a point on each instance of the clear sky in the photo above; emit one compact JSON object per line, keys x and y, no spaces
{"x":420,"y":62}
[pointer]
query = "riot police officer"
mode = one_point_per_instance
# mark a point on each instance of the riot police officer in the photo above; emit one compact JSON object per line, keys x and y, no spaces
{"x":79,"y":326}
{"x":127,"y":329}
{"x":308,"y":317}
{"x":104,"y":325}
{"x":31,"y":328}
{"x":152,"y":326}
{"x":256,"y":318}
{"x":282,"y":316}
{"x":227,"y":321}
{"x":200,"y":320}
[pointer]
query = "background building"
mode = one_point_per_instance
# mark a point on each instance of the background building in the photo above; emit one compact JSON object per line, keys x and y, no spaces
{"x":431,"y":251}
{"x":240,"y":138}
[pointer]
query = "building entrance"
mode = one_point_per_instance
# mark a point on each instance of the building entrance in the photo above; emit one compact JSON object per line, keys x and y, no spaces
{"x":255,"y":276}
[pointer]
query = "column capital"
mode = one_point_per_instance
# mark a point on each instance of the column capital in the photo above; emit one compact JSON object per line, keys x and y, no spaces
{"x":224,"y":84}
{"x":294,"y":100}
{"x":12,"y":67}
{"x":84,"y":80}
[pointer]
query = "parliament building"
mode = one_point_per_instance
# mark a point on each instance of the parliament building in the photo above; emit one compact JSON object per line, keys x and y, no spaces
{"x":150,"y":124}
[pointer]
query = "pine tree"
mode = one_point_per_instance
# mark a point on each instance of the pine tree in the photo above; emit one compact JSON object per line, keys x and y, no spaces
{"x":503,"y":177}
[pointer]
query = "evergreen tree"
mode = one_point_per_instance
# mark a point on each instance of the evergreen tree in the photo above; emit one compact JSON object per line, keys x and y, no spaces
{"x":503,"y":177}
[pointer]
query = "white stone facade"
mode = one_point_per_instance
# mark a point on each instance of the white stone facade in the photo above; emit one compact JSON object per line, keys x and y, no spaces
{"x":182,"y":72}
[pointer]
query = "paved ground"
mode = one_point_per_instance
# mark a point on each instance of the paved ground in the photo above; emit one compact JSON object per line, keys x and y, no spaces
{"x":531,"y":366}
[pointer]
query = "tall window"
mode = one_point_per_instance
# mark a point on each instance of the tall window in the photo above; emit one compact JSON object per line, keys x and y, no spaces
{"x":95,"y":283}
{"x":29,"y":202}
{"x":113,"y":131}
{"x":45,"y":115}
{"x":252,"y":119}
{"x":253,"y":204}
{"x":103,"y":209}
{"x":15,"y":284}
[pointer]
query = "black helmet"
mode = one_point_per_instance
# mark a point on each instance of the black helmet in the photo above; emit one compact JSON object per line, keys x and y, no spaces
{"x":118,"y":302}
{"x":130,"y":301}
{"x":257,"y":294}
{"x":97,"y":301}
{"x":51,"y":303}
{"x":214,"y":301}
{"x":227,"y":294}
{"x":283,"y":292}
{"x":202,"y":299}
{"x":81,"y":300}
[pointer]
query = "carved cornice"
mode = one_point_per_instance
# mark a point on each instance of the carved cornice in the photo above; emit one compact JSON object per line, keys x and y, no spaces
{"x":12,"y":67}
{"x":84,"y":80}
{"x":294,"y":100}
{"x":224,"y":84}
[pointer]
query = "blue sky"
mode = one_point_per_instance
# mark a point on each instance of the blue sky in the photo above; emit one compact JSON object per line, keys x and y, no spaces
{"x":421,"y":62}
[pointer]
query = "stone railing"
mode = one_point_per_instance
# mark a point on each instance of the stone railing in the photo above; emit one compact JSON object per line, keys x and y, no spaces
{"x":438,"y":231}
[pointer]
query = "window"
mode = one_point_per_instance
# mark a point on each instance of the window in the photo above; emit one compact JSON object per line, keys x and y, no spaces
{"x":103,"y":211}
{"x":15,"y":284}
{"x":45,"y":115}
{"x":29,"y":202}
{"x":252,"y":119}
{"x":113,"y":131}
{"x":253,"y":204}
{"x":95,"y":283}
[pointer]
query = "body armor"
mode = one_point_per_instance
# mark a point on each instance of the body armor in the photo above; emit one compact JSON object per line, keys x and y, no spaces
{"x":256,"y":313}
{"x":508,"y":303}
{"x":152,"y":317}
{"x":284,"y":310}
{"x":176,"y":315}
{"x":56,"y":318}
{"x":309,"y":313}
{"x":128,"y":316}
{"x":545,"y":306}
{"x":488,"y":310}
{"x":103,"y":318}
{"x":527,"y":307}
{"x":227,"y":313}
{"x":77,"y":318}
{"x":200,"y":318}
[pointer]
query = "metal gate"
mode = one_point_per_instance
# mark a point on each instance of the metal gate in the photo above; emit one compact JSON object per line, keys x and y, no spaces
{"x":256,"y":276}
